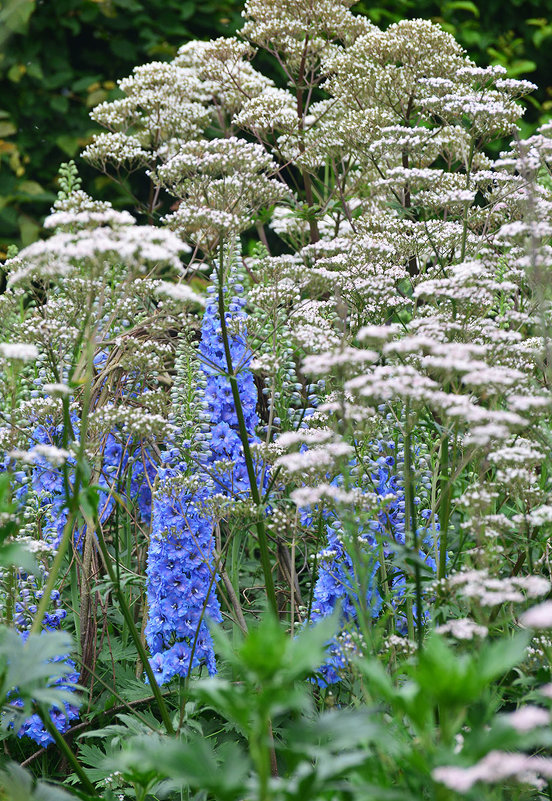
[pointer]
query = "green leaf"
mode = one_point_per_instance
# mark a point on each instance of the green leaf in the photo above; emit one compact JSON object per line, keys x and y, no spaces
{"x":234,"y":703}
{"x":222,"y":772}
{"x":541,"y":35}
{"x":378,"y":681}
{"x":463,"y":5}
{"x":499,"y":657}
{"x":59,"y":103}
{"x":31,"y":188}
{"x":28,"y":229}
{"x":35,"y":672}
{"x":83,"y":83}
{"x":268,"y":653}
{"x":95,"y":97}
{"x":16,"y":555}
{"x":186,"y":10}
{"x":16,"y":72}
{"x":7,"y":129}
{"x":335,"y":731}
{"x":89,"y":499}
{"x":14,"y":17}
{"x":69,"y":144}
{"x":19,"y":785}
{"x":521,"y":67}
{"x":35,"y":70}
{"x":307,"y":651}
{"x":129,"y":5}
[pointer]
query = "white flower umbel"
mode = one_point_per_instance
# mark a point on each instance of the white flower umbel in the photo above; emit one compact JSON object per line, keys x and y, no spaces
{"x":463,"y":629}
{"x":495,"y":767}
{"x":538,"y":617}
{"x":54,"y":456}
{"x":527,"y":718}
{"x":18,"y":351}
{"x":57,"y":390}
{"x":139,"y":247}
{"x":180,"y":292}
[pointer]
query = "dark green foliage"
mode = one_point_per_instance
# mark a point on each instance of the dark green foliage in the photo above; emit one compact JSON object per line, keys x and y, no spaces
{"x":11,"y":553}
{"x":57,"y":60}
{"x":18,"y":785}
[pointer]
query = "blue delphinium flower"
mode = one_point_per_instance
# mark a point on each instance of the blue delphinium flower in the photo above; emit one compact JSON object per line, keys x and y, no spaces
{"x":43,"y":492}
{"x":225,"y":441}
{"x":27,"y":594}
{"x":180,"y":574}
{"x":336,"y":583}
{"x":181,"y":569}
{"x":34,"y":728}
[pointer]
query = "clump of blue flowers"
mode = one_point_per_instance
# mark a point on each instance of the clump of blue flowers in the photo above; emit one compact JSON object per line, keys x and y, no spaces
{"x":336,"y":583}
{"x":180,"y":574}
{"x":115,"y":452}
{"x":180,"y":571}
{"x":62,"y":718}
{"x":226,"y":446}
{"x":42,"y":490}
{"x":181,"y":560}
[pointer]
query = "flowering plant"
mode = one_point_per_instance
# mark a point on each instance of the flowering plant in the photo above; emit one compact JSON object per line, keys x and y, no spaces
{"x":350,"y":439}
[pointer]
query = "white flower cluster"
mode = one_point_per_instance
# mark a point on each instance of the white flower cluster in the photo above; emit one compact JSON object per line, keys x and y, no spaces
{"x":109,"y":236}
{"x":221,"y":185}
{"x":496,"y":766}
{"x":463,"y":629}
{"x":490,"y":591}
{"x":55,"y":456}
{"x":18,"y":351}
{"x":163,"y":102}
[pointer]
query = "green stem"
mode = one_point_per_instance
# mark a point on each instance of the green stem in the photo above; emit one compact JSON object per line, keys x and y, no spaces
{"x":410,"y":510}
{"x":260,"y":755}
{"x":134,"y":633}
{"x":244,"y":437}
{"x":409,"y":619}
{"x":71,"y":493}
{"x":53,"y":574}
{"x":65,"y":750}
{"x":444,"y":510}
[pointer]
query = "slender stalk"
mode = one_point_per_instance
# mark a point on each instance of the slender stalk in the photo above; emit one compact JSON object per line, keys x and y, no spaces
{"x":53,"y":574}
{"x":411,"y":525}
{"x":301,"y":110}
{"x":261,"y":531}
{"x":444,"y":511}
{"x":71,"y":493}
{"x":466,"y":205}
{"x":65,"y":750}
{"x":134,"y":633}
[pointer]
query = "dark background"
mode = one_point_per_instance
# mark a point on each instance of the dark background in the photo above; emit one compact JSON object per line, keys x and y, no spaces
{"x":58,"y":58}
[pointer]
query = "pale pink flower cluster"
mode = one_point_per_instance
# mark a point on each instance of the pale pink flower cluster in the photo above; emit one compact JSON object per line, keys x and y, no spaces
{"x":497,"y":766}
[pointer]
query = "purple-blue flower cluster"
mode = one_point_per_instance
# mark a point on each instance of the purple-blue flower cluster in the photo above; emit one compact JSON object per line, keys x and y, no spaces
{"x":226,"y":445}
{"x":181,"y":570}
{"x":115,"y":453}
{"x":181,"y":565}
{"x":44,"y":492}
{"x":180,"y":574}
{"x":34,"y":728}
{"x":336,"y":583}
